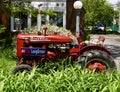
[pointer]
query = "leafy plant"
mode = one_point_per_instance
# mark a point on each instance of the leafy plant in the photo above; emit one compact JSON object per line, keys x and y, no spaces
{"x":2,"y":28}
{"x":98,"y":11}
{"x":58,"y":76}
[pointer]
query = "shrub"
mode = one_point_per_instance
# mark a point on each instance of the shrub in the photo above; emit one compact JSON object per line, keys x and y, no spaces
{"x":2,"y":28}
{"x":51,"y":30}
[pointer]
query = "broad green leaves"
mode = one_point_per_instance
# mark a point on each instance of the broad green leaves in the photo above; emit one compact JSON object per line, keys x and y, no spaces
{"x":98,"y":11}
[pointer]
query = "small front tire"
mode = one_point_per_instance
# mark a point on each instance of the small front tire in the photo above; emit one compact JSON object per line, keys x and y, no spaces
{"x":21,"y":68}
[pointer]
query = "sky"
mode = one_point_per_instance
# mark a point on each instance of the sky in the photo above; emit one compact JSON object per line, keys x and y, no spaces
{"x":113,"y":1}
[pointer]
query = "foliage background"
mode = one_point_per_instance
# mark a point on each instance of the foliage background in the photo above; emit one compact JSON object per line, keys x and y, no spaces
{"x":99,"y":11}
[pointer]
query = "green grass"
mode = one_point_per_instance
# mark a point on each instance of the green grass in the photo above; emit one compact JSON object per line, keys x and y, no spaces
{"x":54,"y":77}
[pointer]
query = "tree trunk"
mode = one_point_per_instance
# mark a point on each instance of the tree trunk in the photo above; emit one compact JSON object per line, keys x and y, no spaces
{"x":71,"y":16}
{"x":71,"y":19}
{"x":5,"y":19}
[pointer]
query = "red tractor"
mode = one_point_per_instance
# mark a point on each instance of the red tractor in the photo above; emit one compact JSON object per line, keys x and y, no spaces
{"x":35,"y":49}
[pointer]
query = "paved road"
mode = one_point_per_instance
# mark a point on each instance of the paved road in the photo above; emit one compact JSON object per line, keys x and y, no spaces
{"x":113,"y":46}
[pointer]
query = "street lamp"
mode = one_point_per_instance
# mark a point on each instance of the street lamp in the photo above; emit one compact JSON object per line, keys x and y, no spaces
{"x":77,"y":6}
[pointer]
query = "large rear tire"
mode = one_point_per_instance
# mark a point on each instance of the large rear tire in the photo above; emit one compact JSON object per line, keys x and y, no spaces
{"x":97,"y":60}
{"x":21,"y":68}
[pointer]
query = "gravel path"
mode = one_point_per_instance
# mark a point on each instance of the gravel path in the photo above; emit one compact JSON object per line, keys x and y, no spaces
{"x":112,"y":45}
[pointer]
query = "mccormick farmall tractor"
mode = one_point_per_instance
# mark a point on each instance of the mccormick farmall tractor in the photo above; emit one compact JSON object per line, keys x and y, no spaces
{"x":34,"y":49}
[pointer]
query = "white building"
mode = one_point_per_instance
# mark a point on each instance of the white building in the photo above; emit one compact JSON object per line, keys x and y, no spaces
{"x":55,"y":5}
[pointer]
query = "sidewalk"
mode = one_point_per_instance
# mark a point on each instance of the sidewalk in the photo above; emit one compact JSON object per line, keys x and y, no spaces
{"x":109,"y":39}
{"x":112,"y":45}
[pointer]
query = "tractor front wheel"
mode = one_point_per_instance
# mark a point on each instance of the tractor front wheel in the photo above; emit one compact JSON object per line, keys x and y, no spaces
{"x":97,"y":60}
{"x":21,"y":68}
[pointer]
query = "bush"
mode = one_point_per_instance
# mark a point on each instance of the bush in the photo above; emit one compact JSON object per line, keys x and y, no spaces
{"x":2,"y":28}
{"x":51,"y":29}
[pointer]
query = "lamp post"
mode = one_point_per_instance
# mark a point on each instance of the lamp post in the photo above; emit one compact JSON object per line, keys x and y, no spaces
{"x":77,"y":6}
{"x":39,"y":18}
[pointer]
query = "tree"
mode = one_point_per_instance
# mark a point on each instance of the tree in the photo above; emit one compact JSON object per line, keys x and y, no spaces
{"x":5,"y":16}
{"x":71,"y":16}
{"x":98,"y":11}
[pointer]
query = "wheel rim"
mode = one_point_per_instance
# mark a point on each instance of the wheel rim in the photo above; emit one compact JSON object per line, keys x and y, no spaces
{"x":97,"y":66}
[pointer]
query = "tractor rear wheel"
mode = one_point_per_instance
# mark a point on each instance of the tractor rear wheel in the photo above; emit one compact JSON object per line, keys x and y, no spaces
{"x":97,"y":60}
{"x":21,"y":68}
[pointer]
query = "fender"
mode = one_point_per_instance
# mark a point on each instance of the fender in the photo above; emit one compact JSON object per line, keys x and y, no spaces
{"x":94,"y":47}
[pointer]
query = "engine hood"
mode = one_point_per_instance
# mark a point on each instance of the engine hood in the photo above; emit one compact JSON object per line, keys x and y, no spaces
{"x":45,"y":39}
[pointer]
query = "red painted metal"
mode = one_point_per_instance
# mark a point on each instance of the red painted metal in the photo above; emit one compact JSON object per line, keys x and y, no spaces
{"x":43,"y":39}
{"x":51,"y":55}
{"x":45,"y":29}
{"x":56,"y":47}
{"x":97,"y":65}
{"x":24,"y":40}
{"x":93,"y":47}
